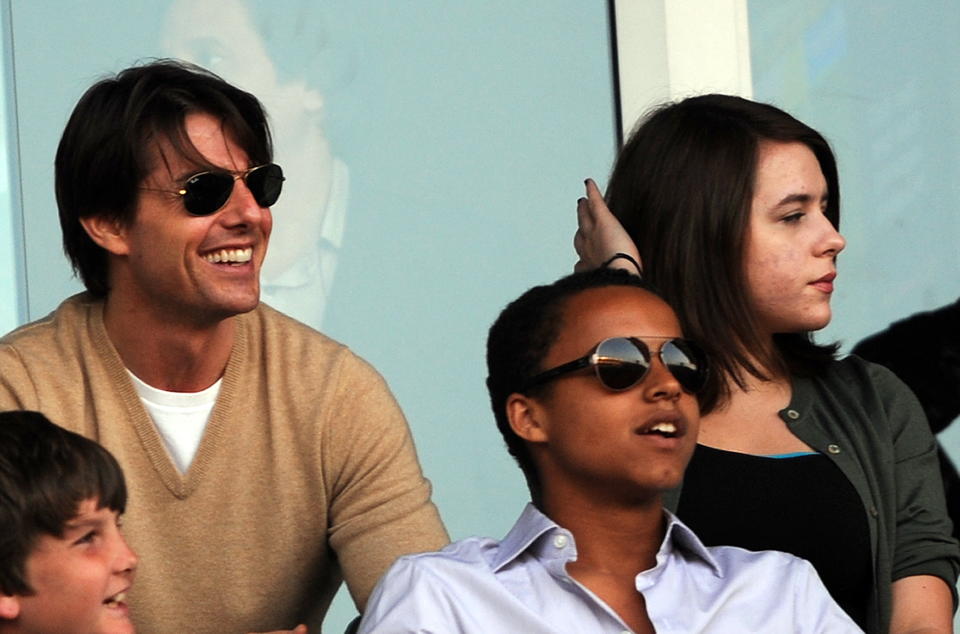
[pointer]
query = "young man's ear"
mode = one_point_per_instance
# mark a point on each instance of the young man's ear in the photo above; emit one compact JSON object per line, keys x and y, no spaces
{"x":107,"y":232}
{"x":9,"y":607}
{"x":527,"y":418}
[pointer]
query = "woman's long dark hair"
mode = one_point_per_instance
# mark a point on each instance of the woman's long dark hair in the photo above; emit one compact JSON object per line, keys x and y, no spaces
{"x":682,"y":187}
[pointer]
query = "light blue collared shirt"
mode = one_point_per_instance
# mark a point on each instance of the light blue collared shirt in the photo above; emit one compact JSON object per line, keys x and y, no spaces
{"x":520,"y":584}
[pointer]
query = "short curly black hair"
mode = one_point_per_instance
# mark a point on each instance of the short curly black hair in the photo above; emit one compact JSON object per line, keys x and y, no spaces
{"x":521,"y":337}
{"x":46,"y":472}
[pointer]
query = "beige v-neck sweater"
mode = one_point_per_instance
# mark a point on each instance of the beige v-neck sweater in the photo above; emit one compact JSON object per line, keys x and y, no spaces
{"x":306,"y":471}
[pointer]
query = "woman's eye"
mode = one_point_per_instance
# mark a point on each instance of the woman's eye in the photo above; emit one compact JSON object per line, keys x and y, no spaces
{"x":794,"y":217}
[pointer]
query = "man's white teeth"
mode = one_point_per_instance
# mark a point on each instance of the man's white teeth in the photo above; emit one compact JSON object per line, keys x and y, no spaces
{"x":229,"y":255}
{"x":664,"y":428}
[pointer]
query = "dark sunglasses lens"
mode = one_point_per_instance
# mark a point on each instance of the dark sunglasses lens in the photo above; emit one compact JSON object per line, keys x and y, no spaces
{"x":621,"y":364}
{"x":207,"y":192}
{"x":265,"y":183}
{"x":686,"y":362}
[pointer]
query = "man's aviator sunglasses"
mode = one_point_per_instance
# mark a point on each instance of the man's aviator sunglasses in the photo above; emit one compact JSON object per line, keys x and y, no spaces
{"x":207,"y":192}
{"x":622,"y":362}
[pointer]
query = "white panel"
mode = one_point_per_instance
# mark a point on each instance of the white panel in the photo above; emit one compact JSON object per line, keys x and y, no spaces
{"x":644,"y":75}
{"x":12,"y":301}
{"x":669,"y":49}
{"x":708,"y":47}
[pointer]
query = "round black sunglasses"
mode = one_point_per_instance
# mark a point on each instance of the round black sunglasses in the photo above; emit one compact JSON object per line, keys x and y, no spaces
{"x":207,"y":192}
{"x":622,"y":362}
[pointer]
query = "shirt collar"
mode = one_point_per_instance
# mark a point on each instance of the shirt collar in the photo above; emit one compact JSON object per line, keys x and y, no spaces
{"x":532,"y":524}
{"x":680,"y":536}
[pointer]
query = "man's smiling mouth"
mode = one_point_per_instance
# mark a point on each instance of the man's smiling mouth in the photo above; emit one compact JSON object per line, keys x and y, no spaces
{"x":229,"y":256}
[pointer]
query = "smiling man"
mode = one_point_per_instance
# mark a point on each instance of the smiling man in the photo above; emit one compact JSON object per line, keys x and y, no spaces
{"x":594,"y":391}
{"x":266,"y":462}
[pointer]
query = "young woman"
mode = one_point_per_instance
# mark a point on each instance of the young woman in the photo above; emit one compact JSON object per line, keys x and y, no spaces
{"x":732,"y":207}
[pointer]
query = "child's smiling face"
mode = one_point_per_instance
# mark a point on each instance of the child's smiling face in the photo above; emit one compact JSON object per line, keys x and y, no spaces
{"x":79,"y":580}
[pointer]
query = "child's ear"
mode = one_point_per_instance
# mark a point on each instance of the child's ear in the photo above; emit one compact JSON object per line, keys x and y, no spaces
{"x":527,"y":418}
{"x":9,"y":607}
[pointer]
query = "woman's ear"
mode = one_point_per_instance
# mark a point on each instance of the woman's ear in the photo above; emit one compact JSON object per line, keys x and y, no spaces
{"x":527,"y":418}
{"x":107,"y":232}
{"x":9,"y":607}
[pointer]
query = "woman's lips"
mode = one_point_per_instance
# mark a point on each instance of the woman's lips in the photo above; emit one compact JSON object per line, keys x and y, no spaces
{"x":825,"y":283}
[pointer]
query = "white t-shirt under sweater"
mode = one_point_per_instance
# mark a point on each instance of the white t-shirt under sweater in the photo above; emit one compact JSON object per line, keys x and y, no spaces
{"x":180,"y":417}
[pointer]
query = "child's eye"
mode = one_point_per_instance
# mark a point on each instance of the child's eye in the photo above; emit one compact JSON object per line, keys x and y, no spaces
{"x":87,"y":538}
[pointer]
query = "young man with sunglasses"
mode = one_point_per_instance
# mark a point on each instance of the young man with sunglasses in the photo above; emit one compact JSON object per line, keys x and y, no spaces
{"x":594,"y":391}
{"x":265,"y":461}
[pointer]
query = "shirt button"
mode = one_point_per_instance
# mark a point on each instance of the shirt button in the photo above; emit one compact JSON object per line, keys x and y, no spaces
{"x":560,"y":541}
{"x":873,"y":511}
{"x":834,"y":449}
{"x":793,"y":414}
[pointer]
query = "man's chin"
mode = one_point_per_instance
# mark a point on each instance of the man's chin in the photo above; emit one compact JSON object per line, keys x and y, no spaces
{"x":238,"y":303}
{"x":246,"y":308}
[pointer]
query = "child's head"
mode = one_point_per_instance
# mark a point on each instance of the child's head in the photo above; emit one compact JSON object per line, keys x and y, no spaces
{"x":64,"y":566}
{"x":571,"y":317}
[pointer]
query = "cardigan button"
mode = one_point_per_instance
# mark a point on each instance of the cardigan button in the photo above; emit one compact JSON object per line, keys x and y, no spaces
{"x":834,"y":449}
{"x":793,"y":414}
{"x":873,"y":511}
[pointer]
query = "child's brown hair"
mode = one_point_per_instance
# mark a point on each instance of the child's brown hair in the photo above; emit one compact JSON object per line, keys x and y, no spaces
{"x":45,"y":473}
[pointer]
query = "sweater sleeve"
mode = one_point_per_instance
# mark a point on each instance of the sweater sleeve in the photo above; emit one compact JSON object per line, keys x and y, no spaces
{"x":380,"y":504}
{"x":16,"y":387}
{"x":923,"y":542}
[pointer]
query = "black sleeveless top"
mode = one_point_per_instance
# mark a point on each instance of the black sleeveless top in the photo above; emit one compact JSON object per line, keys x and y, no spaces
{"x":802,"y":505}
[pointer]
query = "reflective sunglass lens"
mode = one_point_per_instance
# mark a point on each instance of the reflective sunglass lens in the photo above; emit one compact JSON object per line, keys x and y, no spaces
{"x":620,"y":375}
{"x":686,"y":363}
{"x":207,"y":192}
{"x":620,"y":363}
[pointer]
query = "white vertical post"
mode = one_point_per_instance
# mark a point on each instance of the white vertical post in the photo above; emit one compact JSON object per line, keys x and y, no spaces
{"x":13,"y":278}
{"x":670,"y":49}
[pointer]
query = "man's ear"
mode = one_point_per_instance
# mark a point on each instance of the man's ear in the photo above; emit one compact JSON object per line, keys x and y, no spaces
{"x":107,"y":232}
{"x":9,"y":607}
{"x":527,"y":418}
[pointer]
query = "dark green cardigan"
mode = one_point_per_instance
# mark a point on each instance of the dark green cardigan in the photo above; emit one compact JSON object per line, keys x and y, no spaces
{"x":868,"y":422}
